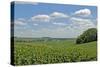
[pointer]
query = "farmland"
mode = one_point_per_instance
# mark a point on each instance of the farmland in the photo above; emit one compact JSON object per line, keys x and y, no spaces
{"x":52,"y":50}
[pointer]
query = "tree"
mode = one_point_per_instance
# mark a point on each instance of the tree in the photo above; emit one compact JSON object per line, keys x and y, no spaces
{"x":87,"y":36}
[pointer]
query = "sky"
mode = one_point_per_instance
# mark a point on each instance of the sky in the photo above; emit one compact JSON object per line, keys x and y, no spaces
{"x":32,"y":19}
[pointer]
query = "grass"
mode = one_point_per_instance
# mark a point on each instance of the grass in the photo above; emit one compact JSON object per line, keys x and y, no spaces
{"x":55,"y":51}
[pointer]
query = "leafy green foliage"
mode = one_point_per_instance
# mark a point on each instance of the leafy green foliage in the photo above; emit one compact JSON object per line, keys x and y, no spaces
{"x":55,"y":51}
{"x":88,"y":36}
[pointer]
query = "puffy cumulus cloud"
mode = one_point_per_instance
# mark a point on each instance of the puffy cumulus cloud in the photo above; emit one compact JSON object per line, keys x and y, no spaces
{"x":82,"y":24}
{"x":19,"y":22}
{"x":82,"y":21}
{"x":71,"y":30}
{"x":47,"y":18}
{"x":21,"y":19}
{"x":41,"y":18}
{"x":58,"y":14}
{"x":61,"y":24}
{"x":83,"y":12}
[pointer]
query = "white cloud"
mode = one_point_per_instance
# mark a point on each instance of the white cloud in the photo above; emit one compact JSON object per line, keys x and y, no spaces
{"x":72,"y":28}
{"x":18,"y":22}
{"x":43,"y":18}
{"x":45,"y":32}
{"x":47,"y":18}
{"x":58,"y":14}
{"x":82,"y":24}
{"x":35,"y":24}
{"x":23,"y":33}
{"x":83,"y":12}
{"x":62,"y":24}
{"x":21,"y":19}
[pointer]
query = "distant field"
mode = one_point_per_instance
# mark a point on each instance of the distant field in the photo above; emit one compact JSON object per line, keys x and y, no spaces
{"x":53,"y":51}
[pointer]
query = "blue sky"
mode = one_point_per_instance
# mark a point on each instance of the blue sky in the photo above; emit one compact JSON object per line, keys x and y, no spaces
{"x":53,"y":20}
